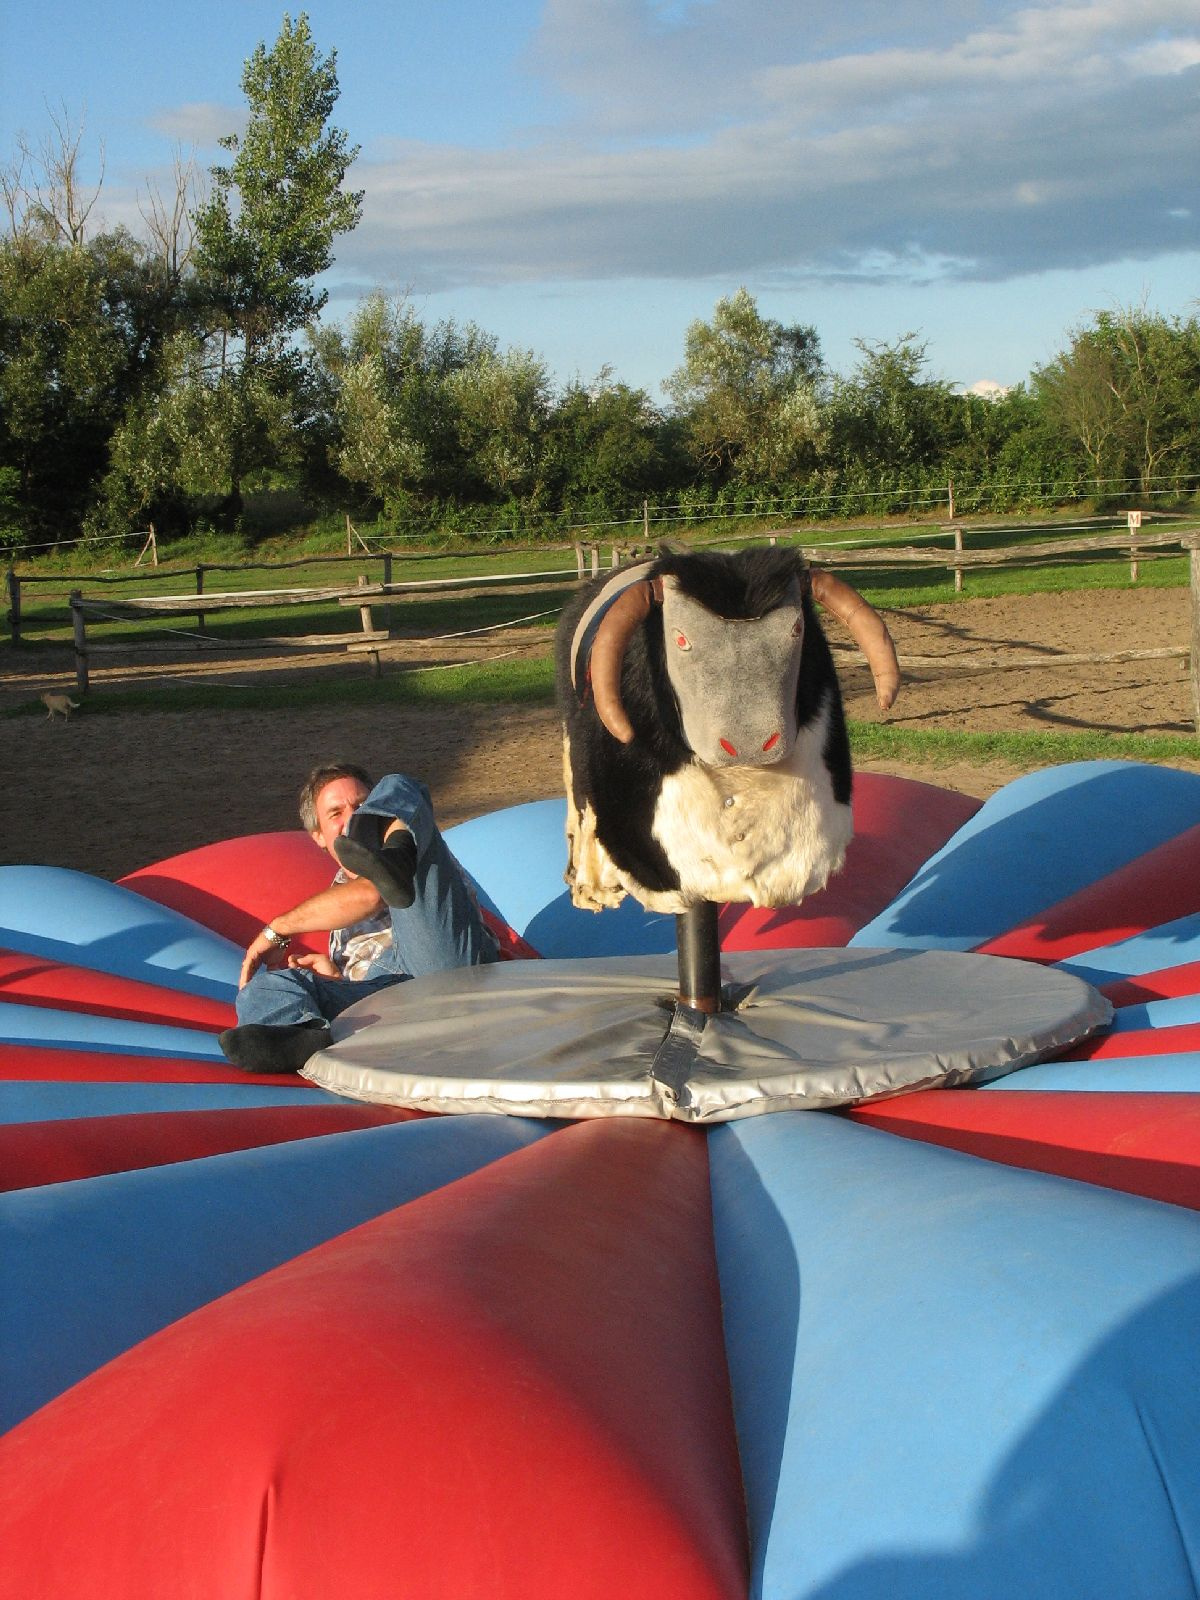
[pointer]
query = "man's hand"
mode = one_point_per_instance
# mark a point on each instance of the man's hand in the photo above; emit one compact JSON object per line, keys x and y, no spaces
{"x":256,"y":953}
{"x":339,"y":906}
{"x":315,"y":963}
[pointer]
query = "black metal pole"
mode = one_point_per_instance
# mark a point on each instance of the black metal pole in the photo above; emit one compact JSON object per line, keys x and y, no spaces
{"x":699,"y":957}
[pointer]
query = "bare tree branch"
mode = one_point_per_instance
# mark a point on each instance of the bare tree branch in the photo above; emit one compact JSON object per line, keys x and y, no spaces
{"x":55,"y":200}
{"x":169,"y":225}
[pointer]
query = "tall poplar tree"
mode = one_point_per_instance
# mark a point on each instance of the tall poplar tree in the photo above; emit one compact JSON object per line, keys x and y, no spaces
{"x":266,"y":232}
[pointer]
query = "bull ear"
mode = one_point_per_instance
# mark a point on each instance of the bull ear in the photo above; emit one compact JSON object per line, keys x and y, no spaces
{"x":623,"y":616}
{"x":868,"y":629}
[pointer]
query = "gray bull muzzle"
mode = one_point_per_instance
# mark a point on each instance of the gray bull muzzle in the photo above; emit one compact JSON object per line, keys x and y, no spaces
{"x":735,"y":680}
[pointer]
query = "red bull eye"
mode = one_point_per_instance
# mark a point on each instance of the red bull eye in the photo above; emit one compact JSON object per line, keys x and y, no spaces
{"x":682,"y":640}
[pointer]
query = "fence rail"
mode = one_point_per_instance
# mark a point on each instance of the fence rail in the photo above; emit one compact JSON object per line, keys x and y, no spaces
{"x":1138,"y":543}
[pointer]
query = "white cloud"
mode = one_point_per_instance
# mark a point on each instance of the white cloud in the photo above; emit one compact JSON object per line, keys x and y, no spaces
{"x":988,"y":180}
{"x":1162,"y":57}
{"x":988,"y":389}
{"x":201,"y":123}
{"x":736,"y":140}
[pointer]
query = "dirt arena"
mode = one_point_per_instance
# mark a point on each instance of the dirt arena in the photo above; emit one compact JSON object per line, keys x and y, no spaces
{"x":107,"y":794}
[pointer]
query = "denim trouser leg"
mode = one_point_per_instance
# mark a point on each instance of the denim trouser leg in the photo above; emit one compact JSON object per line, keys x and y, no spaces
{"x":287,"y":995}
{"x":442,"y":928}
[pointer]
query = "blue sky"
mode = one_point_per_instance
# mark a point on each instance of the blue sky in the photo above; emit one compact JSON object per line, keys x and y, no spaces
{"x":585,"y":177}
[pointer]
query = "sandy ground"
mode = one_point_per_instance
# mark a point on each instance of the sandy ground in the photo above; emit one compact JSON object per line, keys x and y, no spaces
{"x":108,"y":794}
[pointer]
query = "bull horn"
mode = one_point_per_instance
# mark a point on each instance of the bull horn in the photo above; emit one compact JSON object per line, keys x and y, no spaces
{"x":868,"y":628}
{"x":624,"y":615}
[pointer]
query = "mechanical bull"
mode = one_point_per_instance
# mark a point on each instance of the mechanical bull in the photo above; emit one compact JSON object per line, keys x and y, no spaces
{"x":704,"y":743}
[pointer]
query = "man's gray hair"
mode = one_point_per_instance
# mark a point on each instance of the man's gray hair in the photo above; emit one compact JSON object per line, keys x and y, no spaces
{"x":316,"y":781}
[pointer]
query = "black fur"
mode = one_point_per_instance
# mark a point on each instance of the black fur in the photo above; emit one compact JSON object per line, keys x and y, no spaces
{"x":623,"y":782}
{"x":739,"y":586}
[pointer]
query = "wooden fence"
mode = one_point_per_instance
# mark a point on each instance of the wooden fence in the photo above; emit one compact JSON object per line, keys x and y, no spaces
{"x":363,"y":594}
{"x":367,"y":594}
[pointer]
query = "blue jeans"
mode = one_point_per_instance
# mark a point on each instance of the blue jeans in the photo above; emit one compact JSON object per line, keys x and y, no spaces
{"x":441,"y":929}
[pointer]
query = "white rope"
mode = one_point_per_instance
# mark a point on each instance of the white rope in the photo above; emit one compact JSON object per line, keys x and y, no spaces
{"x":492,"y":627}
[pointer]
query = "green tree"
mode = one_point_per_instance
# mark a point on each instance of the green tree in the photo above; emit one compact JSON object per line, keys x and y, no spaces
{"x":82,"y":320}
{"x":747,"y":392}
{"x":502,"y":406}
{"x":394,"y":422}
{"x":268,"y":226}
{"x":181,"y":439}
{"x":607,"y":444}
{"x":79,"y":325}
{"x":1077,"y":394}
{"x":266,"y":232}
{"x":888,"y":416}
{"x":1156,"y":380}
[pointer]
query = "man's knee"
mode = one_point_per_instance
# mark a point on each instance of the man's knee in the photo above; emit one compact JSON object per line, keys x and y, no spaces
{"x":278,"y":995}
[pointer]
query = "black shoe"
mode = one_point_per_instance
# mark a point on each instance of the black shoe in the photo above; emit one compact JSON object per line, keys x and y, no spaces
{"x":391,"y":867}
{"x":259,"y":1047}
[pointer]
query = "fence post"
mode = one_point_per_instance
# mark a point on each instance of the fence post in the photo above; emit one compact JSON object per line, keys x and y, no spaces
{"x":200,"y":590}
{"x":387,"y":578}
{"x":646,"y":520}
{"x":1193,"y":544}
{"x":1135,"y":522}
{"x":364,"y":612}
{"x":79,"y":627}
{"x":958,"y":545}
{"x":151,"y":544}
{"x":14,"y":604}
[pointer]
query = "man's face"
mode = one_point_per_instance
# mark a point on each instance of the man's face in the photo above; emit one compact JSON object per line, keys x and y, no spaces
{"x":336,"y":803}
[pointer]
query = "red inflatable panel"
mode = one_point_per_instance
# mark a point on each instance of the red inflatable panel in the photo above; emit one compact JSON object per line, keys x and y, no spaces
{"x":1146,"y":1144}
{"x":234,"y":887}
{"x":35,"y":1153}
{"x":513,"y":946}
{"x":36,"y":981}
{"x":1169,"y":983}
{"x":898,"y":825}
{"x":1159,"y":887}
{"x":513,"y":1386}
{"x":1184,"y":1036}
{"x":29,"y":1063}
{"x":237,"y":885}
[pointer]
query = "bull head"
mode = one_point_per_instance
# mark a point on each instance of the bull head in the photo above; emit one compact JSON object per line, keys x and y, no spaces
{"x":735,"y":679}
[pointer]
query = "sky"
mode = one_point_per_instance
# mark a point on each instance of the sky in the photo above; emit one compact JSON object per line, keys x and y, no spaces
{"x":585,"y":178}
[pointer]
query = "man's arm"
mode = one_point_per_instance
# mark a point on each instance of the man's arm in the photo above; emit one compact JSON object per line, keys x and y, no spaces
{"x":336,"y":907}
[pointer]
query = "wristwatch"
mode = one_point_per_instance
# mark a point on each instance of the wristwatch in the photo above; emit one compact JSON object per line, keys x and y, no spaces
{"x":279,"y":940}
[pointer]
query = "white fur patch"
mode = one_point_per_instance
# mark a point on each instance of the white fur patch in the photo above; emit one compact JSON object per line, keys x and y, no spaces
{"x":769,"y":836}
{"x":591,"y":874}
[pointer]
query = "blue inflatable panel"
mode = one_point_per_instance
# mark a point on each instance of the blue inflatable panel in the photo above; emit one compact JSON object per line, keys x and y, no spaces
{"x":1177,"y":1073}
{"x":50,"y":1101}
{"x":1036,"y":841}
{"x":87,"y":922}
{"x":516,"y":857}
{"x":94,"y":1266}
{"x":1155,"y":1014}
{"x":85,"y":1030}
{"x":1171,"y":944}
{"x":952,"y":1378}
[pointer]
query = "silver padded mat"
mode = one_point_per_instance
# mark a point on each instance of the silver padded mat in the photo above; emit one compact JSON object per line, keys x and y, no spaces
{"x":808,"y":1029}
